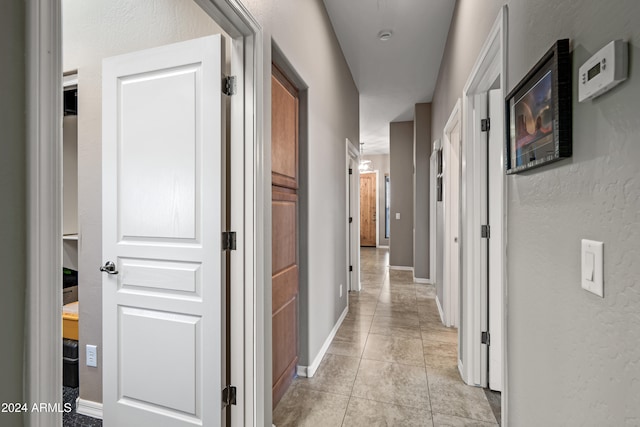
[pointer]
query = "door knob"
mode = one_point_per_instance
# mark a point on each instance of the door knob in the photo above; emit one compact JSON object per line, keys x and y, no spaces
{"x":109,"y":267}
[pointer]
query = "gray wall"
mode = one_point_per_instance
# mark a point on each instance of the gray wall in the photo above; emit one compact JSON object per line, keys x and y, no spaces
{"x":304,"y":34}
{"x":401,"y":155}
{"x":422,"y":175}
{"x":380,"y":162}
{"x":93,"y":31}
{"x":13,"y":213}
{"x":569,"y":352}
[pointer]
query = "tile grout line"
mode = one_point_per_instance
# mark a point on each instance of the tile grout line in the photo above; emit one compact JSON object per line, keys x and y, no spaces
{"x":360,"y":361}
{"x":426,"y":372}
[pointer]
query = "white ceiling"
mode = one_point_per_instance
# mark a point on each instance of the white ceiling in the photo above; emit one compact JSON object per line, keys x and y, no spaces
{"x":391,"y":75}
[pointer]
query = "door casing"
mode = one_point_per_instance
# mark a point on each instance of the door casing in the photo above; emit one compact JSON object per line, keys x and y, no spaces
{"x":43,"y":364}
{"x":491,"y":65}
{"x":352,"y":183}
{"x":451,"y":283}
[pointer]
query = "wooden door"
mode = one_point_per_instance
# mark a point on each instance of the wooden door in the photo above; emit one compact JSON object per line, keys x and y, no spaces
{"x":368,"y":209}
{"x":162,"y":223}
{"x":284,"y":216}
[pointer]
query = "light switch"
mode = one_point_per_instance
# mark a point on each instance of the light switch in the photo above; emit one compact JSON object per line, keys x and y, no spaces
{"x":92,"y":355}
{"x":587,"y":266}
{"x":593,"y":266}
{"x":397,"y":215}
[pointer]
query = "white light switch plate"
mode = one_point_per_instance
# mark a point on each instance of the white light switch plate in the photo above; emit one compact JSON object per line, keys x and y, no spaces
{"x":92,"y":355}
{"x":397,"y":215}
{"x":593,"y":266}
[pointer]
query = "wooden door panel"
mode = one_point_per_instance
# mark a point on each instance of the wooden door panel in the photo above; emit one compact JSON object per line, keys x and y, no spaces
{"x":284,"y":245}
{"x":284,"y":230}
{"x":368,"y":209}
{"x":285,"y":288}
{"x":284,"y":132}
{"x":285,"y":355}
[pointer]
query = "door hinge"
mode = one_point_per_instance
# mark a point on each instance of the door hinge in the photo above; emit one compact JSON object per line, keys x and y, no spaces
{"x":351,"y":268}
{"x":350,"y":171}
{"x":485,"y":125}
{"x":228,"y":396}
{"x":229,"y":85}
{"x":485,"y":232}
{"x":228,"y":240}
{"x":350,"y":219}
{"x":486,"y":338}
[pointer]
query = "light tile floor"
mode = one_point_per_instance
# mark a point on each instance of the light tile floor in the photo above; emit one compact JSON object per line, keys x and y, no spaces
{"x":391,"y":363}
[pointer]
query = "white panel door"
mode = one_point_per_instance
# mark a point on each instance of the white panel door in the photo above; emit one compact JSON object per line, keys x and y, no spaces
{"x":496,"y":212}
{"x":162,"y":223}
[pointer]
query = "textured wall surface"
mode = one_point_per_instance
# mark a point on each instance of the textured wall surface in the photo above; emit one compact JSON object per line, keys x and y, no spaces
{"x":93,"y":31}
{"x":13,"y":213}
{"x":422,"y":144}
{"x":573,"y":358}
{"x":401,"y":156}
{"x":305,"y":36}
{"x":380,"y":162}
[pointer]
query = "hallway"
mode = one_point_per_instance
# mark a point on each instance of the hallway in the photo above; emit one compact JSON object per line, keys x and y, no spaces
{"x":391,"y":363}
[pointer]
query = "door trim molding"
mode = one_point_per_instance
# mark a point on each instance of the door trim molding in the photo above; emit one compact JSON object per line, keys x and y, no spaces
{"x":352,"y":159}
{"x":43,"y":352}
{"x":43,"y":348}
{"x":450,"y":290}
{"x":432,"y":209}
{"x":491,"y":65}
{"x":377,"y":207}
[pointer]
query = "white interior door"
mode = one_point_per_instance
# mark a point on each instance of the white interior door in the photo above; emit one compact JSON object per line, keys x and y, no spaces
{"x":162,"y":222}
{"x":496,"y":187}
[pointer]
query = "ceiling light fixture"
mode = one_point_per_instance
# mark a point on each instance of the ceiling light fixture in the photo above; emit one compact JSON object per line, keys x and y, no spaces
{"x":385,"y":35}
{"x":365,"y":165}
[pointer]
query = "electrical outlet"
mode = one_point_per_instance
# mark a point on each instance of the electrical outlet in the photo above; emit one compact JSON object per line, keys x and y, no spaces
{"x":340,"y":290}
{"x":92,"y":355}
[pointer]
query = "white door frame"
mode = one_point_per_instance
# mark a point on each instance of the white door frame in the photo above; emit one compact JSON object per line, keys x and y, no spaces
{"x":451,"y":252}
{"x":352,"y":156}
{"x":489,"y":67}
{"x":433,"y":258}
{"x":43,"y":364}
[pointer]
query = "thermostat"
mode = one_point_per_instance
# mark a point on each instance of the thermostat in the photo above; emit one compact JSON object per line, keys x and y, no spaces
{"x":604,"y":70}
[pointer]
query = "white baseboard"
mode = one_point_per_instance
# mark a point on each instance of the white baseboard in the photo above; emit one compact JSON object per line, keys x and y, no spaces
{"x":383,"y":246}
{"x":89,"y":408}
{"x":440,"y":310}
{"x":421,"y":280}
{"x":400,"y":267}
{"x":310,"y":371}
